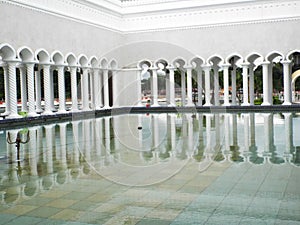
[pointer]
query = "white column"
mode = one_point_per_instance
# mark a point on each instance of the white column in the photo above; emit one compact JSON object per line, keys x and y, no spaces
{"x":167,"y":78}
{"x":100,"y":89}
{"x":53,"y":109}
{"x":6,"y":90}
{"x":73,"y":71}
{"x":287,"y":83}
{"x":155,"y":86}
{"x":85,"y":91}
{"x":270,"y":71}
{"x":38,"y":89}
{"x":12,"y":89}
{"x":22,"y":70}
{"x":199,"y":86}
{"x":115,"y":88}
{"x":216,"y":85}
{"x":31,"y":89}
{"x":207,"y":69}
{"x":97,"y":88}
{"x":226,"y":83}
{"x":171,"y":85}
{"x":251,"y":83}
{"x":47,"y":89}
{"x":266,"y":100}
{"x":245,"y":84}
{"x":189,"y":86}
{"x":139,"y":87}
{"x":183,"y":91}
{"x":233,"y":85}
{"x":106,"y":88}
{"x":61,"y":89}
{"x":91,"y":88}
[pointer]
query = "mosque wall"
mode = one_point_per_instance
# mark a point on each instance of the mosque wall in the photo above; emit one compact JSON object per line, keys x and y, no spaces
{"x":22,"y":26}
{"x":223,"y":40}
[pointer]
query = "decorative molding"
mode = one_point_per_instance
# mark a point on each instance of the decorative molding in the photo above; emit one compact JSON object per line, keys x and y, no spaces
{"x":111,"y":15}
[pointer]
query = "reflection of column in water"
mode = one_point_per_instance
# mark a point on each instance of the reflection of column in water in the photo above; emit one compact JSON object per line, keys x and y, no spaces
{"x":39,"y":144}
{"x":49,"y":147}
{"x":173,"y":132}
{"x":11,"y":148}
{"x":140,"y":133}
{"x":87,"y":138}
{"x":246,"y":136}
{"x":252,"y":131}
{"x":200,"y":148}
{"x":208,"y":136}
{"x":288,"y":127}
{"x":182,"y":151}
{"x":190,"y":134}
{"x":155,"y":133}
{"x":234,"y":131}
{"x":107,"y":139}
{"x":75,"y":156}
{"x":268,"y":127}
{"x":217,"y":130}
{"x":98,"y":135}
{"x":63,"y":144}
{"x":32,"y":144}
{"x":227,"y":131}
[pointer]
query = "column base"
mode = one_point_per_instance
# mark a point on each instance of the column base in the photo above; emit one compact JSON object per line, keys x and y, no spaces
{"x":266,"y":103}
{"x":47,"y":113}
{"x":287,"y":103}
{"x":32,"y":114}
{"x":207,"y":104}
{"x":226,"y":104}
{"x":245,"y":104}
{"x":155,"y":105}
{"x":13,"y":116}
{"x":189,"y":105}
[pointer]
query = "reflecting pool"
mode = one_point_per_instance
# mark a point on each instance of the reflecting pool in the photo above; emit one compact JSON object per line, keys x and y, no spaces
{"x":167,"y":168}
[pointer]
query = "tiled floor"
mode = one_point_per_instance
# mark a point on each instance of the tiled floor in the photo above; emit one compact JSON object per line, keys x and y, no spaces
{"x":225,"y":193}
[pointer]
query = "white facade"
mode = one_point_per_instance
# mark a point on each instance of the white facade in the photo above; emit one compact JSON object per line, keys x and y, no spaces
{"x":98,"y":39}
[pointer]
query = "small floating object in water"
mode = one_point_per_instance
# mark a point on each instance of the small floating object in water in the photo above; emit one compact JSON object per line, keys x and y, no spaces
{"x":139,"y":127}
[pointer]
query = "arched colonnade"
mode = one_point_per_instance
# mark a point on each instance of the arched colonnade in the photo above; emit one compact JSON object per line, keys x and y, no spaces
{"x":206,"y":73}
{"x":90,"y":86}
{"x":88,"y":80}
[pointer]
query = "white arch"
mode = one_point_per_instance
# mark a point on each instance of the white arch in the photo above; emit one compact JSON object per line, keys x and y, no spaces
{"x":113,"y":64}
{"x":250,"y":58}
{"x":7,"y":52}
{"x":57,"y":58}
{"x":272,"y":55}
{"x":94,"y":62}
{"x":179,"y":62}
{"x":71,"y":59}
{"x":215,"y":59}
{"x":104,"y":63}
{"x":290,"y":53}
{"x":239,"y":56}
{"x":42,"y":55}
{"x":25,"y":54}
{"x":142,"y":62}
{"x":198,"y":60}
{"x":83,"y":60}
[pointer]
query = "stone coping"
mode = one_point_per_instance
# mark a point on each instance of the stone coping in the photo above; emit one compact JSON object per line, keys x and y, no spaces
{"x":80,"y":115}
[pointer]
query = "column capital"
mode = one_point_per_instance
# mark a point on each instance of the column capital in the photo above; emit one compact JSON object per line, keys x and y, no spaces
{"x":188,"y":67}
{"x":60,"y":65}
{"x":286,"y":62}
{"x":207,"y":67}
{"x":154,"y":68}
{"x":170,"y":67}
{"x":245,"y":64}
{"x":225,"y":65}
{"x":265,"y":63}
